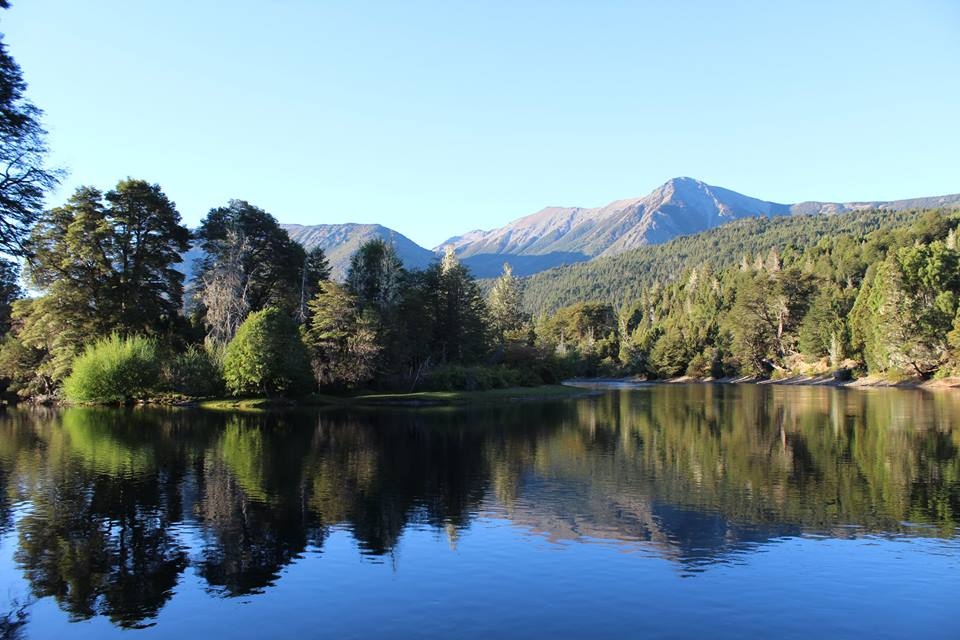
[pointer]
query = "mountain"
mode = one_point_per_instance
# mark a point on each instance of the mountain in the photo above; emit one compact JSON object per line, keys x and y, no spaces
{"x":682,"y":206}
{"x":557,"y":236}
{"x":340,"y":241}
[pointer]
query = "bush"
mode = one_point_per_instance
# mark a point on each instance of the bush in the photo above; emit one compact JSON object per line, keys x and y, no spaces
{"x":268,"y":357}
{"x":453,"y":377}
{"x":195,"y":372}
{"x":114,"y":369}
{"x":536,"y":365}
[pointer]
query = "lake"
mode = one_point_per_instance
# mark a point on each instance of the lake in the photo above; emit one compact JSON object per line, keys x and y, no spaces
{"x":720,"y":511}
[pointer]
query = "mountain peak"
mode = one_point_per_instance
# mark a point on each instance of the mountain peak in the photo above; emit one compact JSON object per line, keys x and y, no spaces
{"x":684,"y":180}
{"x":680,"y":206}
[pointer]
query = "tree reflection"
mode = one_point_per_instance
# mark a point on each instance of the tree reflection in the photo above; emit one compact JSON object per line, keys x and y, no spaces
{"x":251,"y":504}
{"x":100,"y":546}
{"x":696,"y":473}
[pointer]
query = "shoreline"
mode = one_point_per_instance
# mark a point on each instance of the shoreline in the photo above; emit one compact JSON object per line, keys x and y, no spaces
{"x":416,"y":399}
{"x":826,"y":380}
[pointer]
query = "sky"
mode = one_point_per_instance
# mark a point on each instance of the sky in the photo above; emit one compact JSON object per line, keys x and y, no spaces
{"x":434,"y":118}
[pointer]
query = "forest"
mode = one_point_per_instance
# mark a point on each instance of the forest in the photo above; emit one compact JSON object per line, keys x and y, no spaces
{"x":872,"y":292}
{"x":95,"y":306}
{"x":114,"y":320}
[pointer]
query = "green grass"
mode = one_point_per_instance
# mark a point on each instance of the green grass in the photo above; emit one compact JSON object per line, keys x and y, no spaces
{"x":419,"y":398}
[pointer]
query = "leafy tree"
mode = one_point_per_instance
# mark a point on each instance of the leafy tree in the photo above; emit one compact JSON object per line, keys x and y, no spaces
{"x":408,"y":345}
{"x":375,"y":275}
{"x":822,"y":331}
{"x":105,"y":264}
{"x":22,"y":368}
{"x":342,"y":338}
{"x":671,"y":354}
{"x":752,"y":323}
{"x":37,"y":354}
{"x":267,"y":356}
{"x":249,"y":263}
{"x":195,"y":372}
{"x":766,"y":313}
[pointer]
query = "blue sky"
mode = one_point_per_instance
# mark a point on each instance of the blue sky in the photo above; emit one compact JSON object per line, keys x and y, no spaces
{"x":434,"y":118}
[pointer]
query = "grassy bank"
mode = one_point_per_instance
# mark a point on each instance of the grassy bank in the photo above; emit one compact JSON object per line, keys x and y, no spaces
{"x":419,"y":398}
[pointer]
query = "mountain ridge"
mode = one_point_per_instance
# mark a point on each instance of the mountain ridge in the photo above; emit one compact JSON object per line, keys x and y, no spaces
{"x":556,"y":236}
{"x":680,"y":206}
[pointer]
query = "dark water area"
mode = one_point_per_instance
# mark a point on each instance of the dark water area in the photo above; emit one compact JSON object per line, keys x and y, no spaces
{"x":665,"y":511}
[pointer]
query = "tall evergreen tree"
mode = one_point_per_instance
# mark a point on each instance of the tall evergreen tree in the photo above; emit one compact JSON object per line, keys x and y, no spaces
{"x":458,"y":311}
{"x":507,"y":317}
{"x":315,"y":269}
{"x":342,"y":338}
{"x":105,"y":264}
{"x":24,"y":177}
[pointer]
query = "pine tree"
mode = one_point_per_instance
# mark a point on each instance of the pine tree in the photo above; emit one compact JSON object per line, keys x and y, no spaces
{"x":315,"y":269}
{"x":455,"y":306}
{"x":505,"y":302}
{"x":342,"y":338}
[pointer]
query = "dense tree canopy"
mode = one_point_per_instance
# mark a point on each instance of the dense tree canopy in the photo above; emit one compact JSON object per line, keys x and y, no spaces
{"x":248,"y":263}
{"x":104,"y":264}
{"x":342,"y":337}
{"x":267,"y":357}
{"x":376,"y":275}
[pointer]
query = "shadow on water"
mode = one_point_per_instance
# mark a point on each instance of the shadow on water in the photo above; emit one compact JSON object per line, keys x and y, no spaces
{"x":122,"y":502}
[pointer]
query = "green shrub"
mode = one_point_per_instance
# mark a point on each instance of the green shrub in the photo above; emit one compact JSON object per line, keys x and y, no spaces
{"x":195,"y":372}
{"x":268,"y":357}
{"x":114,"y":369}
{"x":453,"y":377}
{"x":700,"y":366}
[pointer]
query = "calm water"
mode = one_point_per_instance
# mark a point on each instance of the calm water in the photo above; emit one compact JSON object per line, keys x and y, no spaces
{"x":671,"y":511}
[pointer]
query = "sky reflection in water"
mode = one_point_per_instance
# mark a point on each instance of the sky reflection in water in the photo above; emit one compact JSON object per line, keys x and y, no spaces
{"x":669,"y":511}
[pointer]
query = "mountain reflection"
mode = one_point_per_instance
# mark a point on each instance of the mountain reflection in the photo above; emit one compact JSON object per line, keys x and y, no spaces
{"x":120,"y":503}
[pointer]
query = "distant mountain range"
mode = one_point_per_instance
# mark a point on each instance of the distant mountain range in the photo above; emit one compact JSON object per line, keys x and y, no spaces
{"x":557,"y":236}
{"x":340,"y":241}
{"x":681,"y":206}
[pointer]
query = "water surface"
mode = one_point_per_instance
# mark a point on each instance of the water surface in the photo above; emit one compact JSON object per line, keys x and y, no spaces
{"x":664,"y":511}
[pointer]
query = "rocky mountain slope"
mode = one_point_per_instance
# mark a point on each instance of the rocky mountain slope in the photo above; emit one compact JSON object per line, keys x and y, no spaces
{"x":681,"y":206}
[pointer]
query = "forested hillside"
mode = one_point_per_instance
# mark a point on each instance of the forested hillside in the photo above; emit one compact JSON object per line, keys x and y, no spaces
{"x":874,"y":292}
{"x":622,"y":278}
